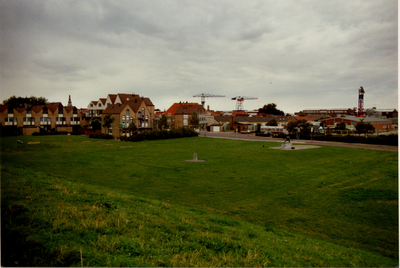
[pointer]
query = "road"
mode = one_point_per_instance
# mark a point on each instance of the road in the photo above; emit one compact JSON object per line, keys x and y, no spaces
{"x":253,"y":137}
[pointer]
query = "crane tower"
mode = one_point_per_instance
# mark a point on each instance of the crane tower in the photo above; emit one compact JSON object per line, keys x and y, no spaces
{"x":361,"y":93}
{"x":239,"y":101}
{"x":205,"y":95}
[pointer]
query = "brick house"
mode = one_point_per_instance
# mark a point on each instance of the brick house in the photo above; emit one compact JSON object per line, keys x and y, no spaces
{"x":185,"y":110}
{"x":26,"y":121}
{"x":134,"y":108}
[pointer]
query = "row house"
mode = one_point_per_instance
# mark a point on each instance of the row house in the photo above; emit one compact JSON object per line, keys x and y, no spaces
{"x":95,"y":108}
{"x":26,"y":121}
{"x":127,"y":109}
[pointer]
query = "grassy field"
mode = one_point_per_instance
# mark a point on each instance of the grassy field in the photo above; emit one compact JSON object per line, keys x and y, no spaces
{"x":107,"y":203}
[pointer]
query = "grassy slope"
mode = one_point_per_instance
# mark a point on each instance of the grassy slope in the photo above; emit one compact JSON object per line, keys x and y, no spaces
{"x":346,"y":196}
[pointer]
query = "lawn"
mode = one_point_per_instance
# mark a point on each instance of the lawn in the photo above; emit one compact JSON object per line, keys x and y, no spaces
{"x":338,"y":197}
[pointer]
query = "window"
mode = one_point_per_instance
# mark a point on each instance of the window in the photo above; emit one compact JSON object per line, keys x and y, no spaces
{"x":123,"y":119}
{"x":74,"y":120}
{"x":143,"y":111}
{"x":185,"y":119}
{"x":140,"y":114}
{"x":127,"y":113}
{"x":45,"y":120}
{"x":29,"y":121}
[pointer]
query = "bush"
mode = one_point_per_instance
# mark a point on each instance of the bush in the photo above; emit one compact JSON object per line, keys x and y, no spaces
{"x":161,"y":134}
{"x":382,"y":139}
{"x":101,"y":136}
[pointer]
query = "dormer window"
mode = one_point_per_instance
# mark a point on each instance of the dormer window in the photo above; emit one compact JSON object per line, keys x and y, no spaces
{"x":99,"y":104}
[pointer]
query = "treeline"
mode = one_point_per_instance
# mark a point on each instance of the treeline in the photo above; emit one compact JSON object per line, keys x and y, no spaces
{"x":25,"y":102}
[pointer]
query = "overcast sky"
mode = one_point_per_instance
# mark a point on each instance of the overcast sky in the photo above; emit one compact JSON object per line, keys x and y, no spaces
{"x":298,"y":54}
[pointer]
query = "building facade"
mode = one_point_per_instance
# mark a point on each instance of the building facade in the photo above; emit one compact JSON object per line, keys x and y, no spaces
{"x":128,"y":110}
{"x":52,"y":117}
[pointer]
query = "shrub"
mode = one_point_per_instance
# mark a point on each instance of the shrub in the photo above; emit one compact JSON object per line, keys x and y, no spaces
{"x":101,"y":136}
{"x":161,"y":134}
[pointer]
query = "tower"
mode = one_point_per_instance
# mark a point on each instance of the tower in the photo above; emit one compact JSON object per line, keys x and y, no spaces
{"x":361,"y":93}
{"x":69,"y":101}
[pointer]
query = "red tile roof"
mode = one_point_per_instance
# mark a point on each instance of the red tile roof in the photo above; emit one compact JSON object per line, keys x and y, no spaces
{"x":172,"y":109}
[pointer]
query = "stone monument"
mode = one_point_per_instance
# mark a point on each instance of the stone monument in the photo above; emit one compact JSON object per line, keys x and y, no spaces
{"x":287,"y":144}
{"x":194,"y":159}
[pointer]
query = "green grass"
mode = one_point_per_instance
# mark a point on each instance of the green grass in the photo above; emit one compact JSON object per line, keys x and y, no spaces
{"x":141,"y":204}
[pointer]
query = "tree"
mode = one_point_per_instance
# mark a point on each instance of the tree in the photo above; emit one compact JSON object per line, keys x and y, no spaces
{"x":302,"y":124}
{"x":341,"y":126}
{"x":272,"y":122}
{"x":290,"y":126}
{"x":96,"y":124}
{"x":271,"y":110}
{"x":107,"y":121}
{"x":365,"y":128}
{"x":194,"y":120}
{"x":132,"y":128}
{"x":20,"y":102}
{"x":163,"y":122}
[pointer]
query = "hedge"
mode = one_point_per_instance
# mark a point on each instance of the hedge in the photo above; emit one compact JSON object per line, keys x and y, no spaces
{"x":161,"y":134}
{"x":381,"y":139}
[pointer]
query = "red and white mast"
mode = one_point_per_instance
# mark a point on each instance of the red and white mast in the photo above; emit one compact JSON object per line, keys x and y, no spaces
{"x":361,"y":93}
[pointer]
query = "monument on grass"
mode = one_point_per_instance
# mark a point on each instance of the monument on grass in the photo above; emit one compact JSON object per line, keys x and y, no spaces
{"x":287,"y":144}
{"x":194,"y":159}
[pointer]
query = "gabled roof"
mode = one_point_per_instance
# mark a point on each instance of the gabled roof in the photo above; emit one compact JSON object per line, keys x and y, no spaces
{"x":114,"y":108}
{"x":308,"y":118}
{"x":189,"y":109}
{"x":123,"y":97}
{"x":172,"y":109}
{"x":21,"y":110}
{"x":53,"y":106}
{"x":38,"y":108}
{"x":69,"y":109}
{"x":4,"y":107}
{"x":225,"y":119}
{"x":148,"y":102}
{"x":135,"y":104}
{"x":112,"y":97}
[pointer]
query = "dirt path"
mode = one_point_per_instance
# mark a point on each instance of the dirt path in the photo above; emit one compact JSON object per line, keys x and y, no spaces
{"x":253,"y":137}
